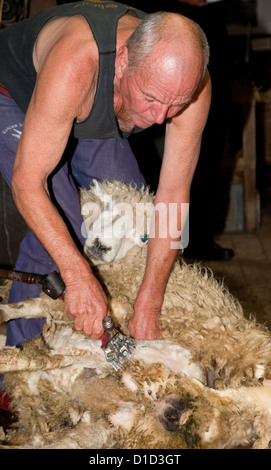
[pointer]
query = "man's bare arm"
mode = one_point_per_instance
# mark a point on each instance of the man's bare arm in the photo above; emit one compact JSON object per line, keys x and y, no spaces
{"x":64,"y":82}
{"x":182,"y":146}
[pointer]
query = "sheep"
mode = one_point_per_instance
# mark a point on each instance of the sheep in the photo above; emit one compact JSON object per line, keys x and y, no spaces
{"x":204,"y":384}
{"x":198,"y":311}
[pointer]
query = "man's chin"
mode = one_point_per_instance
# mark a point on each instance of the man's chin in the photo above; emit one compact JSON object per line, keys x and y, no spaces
{"x":142,"y":124}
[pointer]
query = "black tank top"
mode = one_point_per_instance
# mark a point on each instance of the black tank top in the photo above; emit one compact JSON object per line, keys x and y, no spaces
{"x":18,"y":75}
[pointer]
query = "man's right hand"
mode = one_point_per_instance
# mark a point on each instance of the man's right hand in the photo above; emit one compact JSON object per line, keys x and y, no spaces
{"x":86,"y":304}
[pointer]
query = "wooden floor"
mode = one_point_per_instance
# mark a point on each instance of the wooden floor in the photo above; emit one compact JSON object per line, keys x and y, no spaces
{"x":248,"y":274}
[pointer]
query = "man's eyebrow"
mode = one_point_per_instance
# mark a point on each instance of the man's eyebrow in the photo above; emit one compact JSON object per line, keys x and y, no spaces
{"x":161,"y":102}
{"x":148,"y":95}
{"x":151,"y":96}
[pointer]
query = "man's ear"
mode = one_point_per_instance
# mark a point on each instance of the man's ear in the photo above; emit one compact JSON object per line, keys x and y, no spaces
{"x":121,"y":62}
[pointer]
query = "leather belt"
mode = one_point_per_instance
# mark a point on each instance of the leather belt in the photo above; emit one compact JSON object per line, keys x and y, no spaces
{"x":4,"y":91}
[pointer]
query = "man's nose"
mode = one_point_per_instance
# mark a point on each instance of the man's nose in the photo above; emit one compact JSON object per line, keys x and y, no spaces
{"x":160,"y":113}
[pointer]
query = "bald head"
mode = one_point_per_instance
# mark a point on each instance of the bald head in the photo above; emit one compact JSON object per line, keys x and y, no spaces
{"x":170,"y":38}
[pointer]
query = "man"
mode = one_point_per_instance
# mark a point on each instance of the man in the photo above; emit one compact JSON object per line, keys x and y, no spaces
{"x":58,"y":67}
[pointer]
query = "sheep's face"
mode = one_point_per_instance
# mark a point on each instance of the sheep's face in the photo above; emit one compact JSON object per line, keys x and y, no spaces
{"x":112,"y":228}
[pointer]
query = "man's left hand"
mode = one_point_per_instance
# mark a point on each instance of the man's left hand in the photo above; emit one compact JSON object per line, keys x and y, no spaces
{"x":144,"y":323}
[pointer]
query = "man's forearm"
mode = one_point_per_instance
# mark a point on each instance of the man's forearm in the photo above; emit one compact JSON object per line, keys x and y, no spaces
{"x":147,"y":307}
{"x":45,"y":222}
{"x":161,"y":257}
{"x":163,"y":246}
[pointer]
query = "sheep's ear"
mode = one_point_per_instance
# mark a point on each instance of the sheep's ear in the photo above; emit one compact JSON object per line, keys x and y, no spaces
{"x":87,"y":197}
{"x":97,"y":189}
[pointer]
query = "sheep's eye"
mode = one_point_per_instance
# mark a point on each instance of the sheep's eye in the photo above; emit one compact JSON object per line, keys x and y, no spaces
{"x":144,"y":238}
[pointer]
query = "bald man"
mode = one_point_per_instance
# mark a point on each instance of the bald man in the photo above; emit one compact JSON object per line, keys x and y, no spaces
{"x":98,"y":71}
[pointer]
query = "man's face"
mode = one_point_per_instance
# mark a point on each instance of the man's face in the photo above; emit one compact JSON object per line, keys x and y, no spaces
{"x":153,"y":95}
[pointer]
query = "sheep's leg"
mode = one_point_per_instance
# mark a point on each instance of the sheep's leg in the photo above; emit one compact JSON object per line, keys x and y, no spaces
{"x":16,"y":360}
{"x":29,"y":308}
{"x":67,"y":348}
{"x":85,"y":435}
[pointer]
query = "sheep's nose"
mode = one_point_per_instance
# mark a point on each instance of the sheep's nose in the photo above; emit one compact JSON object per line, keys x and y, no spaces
{"x":96,"y":250}
{"x":98,"y":247}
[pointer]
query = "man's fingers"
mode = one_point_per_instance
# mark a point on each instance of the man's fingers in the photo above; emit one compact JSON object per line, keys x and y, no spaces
{"x":87,"y":309}
{"x":78,"y":322}
{"x":93,"y":328}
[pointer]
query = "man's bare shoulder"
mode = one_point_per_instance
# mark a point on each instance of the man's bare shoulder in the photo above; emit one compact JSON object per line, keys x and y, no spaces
{"x":68,"y":33}
{"x":66,"y":59}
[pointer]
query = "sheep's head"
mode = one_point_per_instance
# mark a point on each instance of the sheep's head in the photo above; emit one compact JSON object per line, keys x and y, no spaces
{"x":115,"y":220}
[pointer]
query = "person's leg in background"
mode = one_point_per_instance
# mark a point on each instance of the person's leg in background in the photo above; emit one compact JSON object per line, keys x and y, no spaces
{"x":207,"y":185}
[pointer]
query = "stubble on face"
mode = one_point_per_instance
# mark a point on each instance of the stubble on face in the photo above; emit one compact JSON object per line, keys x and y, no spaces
{"x":125,"y":122}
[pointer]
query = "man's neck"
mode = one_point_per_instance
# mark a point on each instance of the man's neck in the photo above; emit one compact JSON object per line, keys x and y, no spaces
{"x":124,"y":121}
